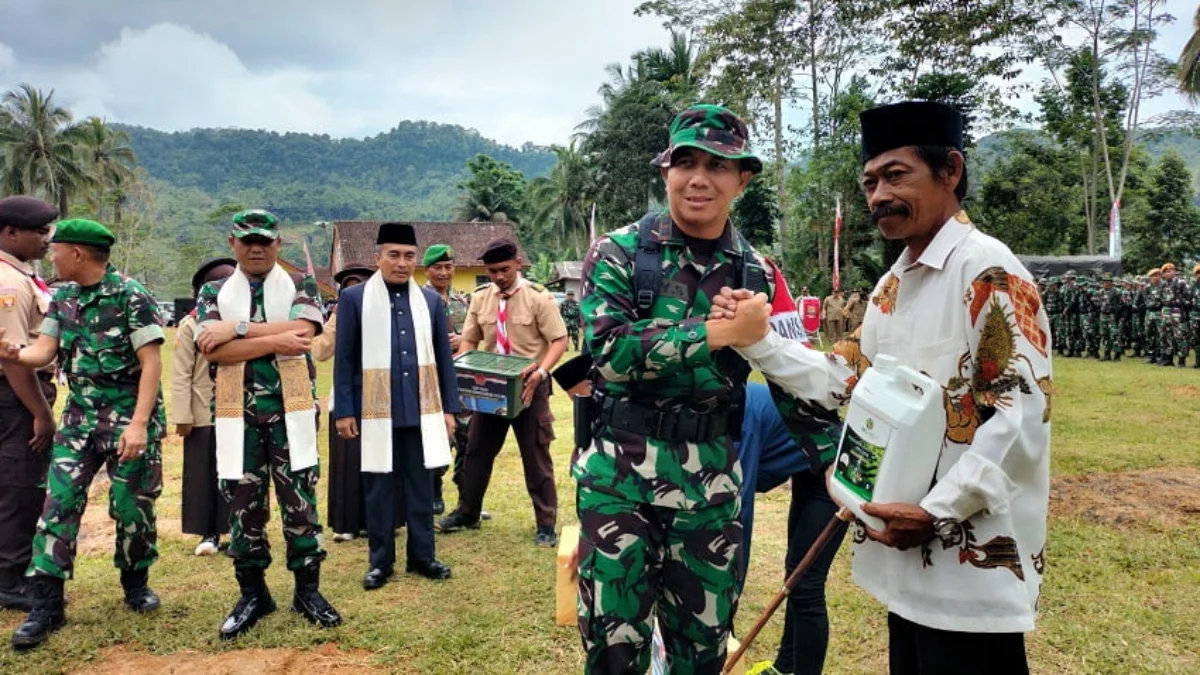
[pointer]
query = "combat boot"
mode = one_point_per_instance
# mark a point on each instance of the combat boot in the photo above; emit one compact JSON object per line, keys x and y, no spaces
{"x":1107,"y":356}
{"x":308,"y":601}
{"x":255,"y":603}
{"x":14,"y":592}
{"x":138,"y":595}
{"x":47,"y":616}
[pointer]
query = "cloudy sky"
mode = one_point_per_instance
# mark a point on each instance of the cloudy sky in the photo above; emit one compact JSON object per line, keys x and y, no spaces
{"x":516,"y":70}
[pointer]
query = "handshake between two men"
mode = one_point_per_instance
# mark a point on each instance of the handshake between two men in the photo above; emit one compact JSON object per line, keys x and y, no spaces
{"x":738,"y":318}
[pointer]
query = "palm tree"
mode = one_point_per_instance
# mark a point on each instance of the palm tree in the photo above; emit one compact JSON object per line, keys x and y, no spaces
{"x":110,"y":159}
{"x":40,"y":142}
{"x":1189,"y":63}
{"x":559,"y":200}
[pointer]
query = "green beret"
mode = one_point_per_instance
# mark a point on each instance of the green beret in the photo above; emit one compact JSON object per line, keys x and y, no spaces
{"x":436,"y":254}
{"x":82,"y":231}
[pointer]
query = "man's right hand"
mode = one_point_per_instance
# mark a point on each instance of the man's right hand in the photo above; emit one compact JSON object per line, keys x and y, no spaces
{"x":347,"y":427}
{"x":43,"y":432}
{"x":292,"y":343}
{"x":183,"y":430}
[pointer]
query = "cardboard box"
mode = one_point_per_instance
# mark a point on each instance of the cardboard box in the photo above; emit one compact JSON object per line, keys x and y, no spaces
{"x":566,"y":588}
{"x":491,"y":383}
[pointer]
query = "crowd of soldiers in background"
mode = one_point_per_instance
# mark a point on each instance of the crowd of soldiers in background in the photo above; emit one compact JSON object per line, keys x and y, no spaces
{"x":1156,"y":316}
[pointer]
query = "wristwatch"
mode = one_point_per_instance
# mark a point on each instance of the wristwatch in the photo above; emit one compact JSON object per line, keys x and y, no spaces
{"x":241,"y":329}
{"x":946,"y":529}
{"x":545,"y":375}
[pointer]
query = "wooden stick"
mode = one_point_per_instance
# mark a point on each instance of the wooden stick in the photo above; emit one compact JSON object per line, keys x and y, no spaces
{"x":843,"y":515}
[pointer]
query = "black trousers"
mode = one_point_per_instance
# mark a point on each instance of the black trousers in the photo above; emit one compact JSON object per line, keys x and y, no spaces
{"x":918,"y":650}
{"x":204,"y":510}
{"x":22,"y":478}
{"x":410,"y":476}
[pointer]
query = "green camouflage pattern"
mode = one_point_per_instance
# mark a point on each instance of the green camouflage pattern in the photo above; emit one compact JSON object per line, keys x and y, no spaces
{"x":713,"y":129}
{"x":266,"y":459}
{"x":571,"y":316}
{"x":99,"y":329}
{"x":1177,"y":301}
{"x":1194,"y":320}
{"x":1072,"y":326}
{"x":694,"y":596}
{"x":662,"y":361}
{"x":1111,"y":302}
{"x":264,"y":394}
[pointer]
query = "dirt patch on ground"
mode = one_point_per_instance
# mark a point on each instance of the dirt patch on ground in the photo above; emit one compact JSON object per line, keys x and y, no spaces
{"x":97,"y":530}
{"x":1163,"y":498}
{"x":1186,"y":391}
{"x":325,"y":659}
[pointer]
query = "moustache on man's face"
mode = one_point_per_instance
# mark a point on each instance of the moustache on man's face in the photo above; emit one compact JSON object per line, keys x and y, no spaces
{"x":888,"y":210}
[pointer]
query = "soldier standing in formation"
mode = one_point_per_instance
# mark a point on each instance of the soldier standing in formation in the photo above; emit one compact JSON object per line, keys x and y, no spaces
{"x":831,"y":314}
{"x":26,"y":395}
{"x":1177,"y":300}
{"x":106,"y":332}
{"x":204,"y":511}
{"x":257,"y":325}
{"x":1153,"y":302}
{"x":1195,"y":314}
{"x":1071,"y":309}
{"x":1111,"y":302}
{"x":571,"y":317}
{"x":439,"y":265}
{"x":345,"y":499}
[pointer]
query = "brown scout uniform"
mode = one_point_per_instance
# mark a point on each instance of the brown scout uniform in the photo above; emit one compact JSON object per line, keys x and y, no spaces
{"x":533,"y":323}
{"x":831,"y":311}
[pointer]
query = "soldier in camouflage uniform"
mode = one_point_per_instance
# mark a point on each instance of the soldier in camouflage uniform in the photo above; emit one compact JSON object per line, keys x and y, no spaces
{"x":1177,"y":300}
{"x":572,"y":317}
{"x":658,"y":485}
{"x":1194,"y":314}
{"x":1111,"y":303}
{"x":106,"y":332}
{"x":1053,"y":300}
{"x":1071,"y":312}
{"x":267,"y":455}
{"x":1153,"y":302}
{"x":1138,"y":316}
{"x":438,"y":262}
{"x":1090,"y":307}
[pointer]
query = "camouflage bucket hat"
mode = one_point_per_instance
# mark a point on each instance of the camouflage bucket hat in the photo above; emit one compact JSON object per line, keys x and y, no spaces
{"x":255,"y":222}
{"x":713,"y":129}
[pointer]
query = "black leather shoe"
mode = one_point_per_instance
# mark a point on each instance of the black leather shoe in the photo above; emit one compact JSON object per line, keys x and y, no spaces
{"x":47,"y":616}
{"x":255,"y":603}
{"x":138,"y":595}
{"x":376,"y":578}
{"x":308,"y":602}
{"x":15,"y":595}
{"x":430,"y":569}
{"x":456,"y":521}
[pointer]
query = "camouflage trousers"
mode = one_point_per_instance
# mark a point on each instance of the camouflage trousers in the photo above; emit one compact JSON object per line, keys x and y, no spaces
{"x":638,"y":561}
{"x":1110,"y":334}
{"x":573,"y":334}
{"x":1090,"y":325}
{"x":78,"y":454}
{"x":1173,"y":334}
{"x":266,"y":459}
{"x":1153,"y":333}
{"x":1074,"y":332}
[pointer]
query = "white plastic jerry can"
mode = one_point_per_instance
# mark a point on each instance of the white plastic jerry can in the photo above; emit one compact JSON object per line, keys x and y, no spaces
{"x":891,"y":440}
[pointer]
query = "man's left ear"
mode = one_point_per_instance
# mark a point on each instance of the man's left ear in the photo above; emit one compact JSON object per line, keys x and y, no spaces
{"x":747,"y":176}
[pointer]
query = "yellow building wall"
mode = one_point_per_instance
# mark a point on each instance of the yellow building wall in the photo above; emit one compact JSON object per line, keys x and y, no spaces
{"x":464,"y":278}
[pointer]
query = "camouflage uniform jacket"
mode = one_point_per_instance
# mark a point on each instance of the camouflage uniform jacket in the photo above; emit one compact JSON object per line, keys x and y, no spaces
{"x":99,"y":330}
{"x":570,"y":313}
{"x":662,"y":362}
{"x":264,"y":392}
{"x":1176,"y":294}
{"x":1153,"y":295}
{"x":1111,"y":301}
{"x":456,"y":305}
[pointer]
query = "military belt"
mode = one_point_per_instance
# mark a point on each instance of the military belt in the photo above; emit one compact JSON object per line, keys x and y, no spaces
{"x":680,"y":426}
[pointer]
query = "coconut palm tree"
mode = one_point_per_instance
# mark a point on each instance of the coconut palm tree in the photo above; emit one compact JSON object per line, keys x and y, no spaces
{"x":111,"y":160}
{"x":40,"y":147}
{"x":1189,"y":63}
{"x":560,"y":200}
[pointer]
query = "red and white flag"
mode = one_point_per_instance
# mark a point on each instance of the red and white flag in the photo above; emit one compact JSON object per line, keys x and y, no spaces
{"x":837,"y":238}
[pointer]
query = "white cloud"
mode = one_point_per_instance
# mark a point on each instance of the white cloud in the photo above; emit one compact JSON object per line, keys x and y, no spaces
{"x":7,"y":58}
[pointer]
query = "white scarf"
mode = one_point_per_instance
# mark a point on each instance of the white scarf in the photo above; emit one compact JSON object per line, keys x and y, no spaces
{"x":376,"y":424}
{"x":234,"y":303}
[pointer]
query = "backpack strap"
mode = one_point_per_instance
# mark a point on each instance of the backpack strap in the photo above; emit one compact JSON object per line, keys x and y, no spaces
{"x":647,"y":266}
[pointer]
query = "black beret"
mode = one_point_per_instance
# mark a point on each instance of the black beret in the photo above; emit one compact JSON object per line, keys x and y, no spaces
{"x":396,"y":233}
{"x":26,"y":213}
{"x":499,"y":250}
{"x":206,"y":266}
{"x":901,"y":125}
{"x":353,"y":271}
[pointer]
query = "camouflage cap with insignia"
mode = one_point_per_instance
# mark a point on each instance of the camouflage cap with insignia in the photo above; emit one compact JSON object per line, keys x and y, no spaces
{"x":259,"y":222}
{"x":714,"y":129}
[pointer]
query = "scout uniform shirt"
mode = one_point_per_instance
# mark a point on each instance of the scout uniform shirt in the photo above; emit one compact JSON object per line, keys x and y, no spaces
{"x":968,"y":314}
{"x":99,"y":330}
{"x":263,"y":401}
{"x":23,"y":302}
{"x":533,"y":319}
{"x":191,"y":383}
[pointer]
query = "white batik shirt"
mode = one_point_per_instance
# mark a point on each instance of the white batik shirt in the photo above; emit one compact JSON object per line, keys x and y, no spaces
{"x":968,"y":314}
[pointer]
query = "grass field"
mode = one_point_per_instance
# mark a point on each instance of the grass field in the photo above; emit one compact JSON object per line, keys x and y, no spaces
{"x":1122,"y":594}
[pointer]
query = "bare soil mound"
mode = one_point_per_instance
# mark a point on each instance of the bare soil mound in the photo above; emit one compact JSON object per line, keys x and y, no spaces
{"x":325,"y":659}
{"x":1162,"y":498}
